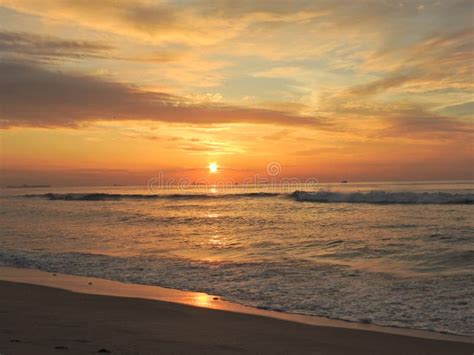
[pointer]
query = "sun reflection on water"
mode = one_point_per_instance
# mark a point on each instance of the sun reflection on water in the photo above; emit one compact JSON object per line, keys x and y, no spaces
{"x":202,"y":300}
{"x":216,"y":241}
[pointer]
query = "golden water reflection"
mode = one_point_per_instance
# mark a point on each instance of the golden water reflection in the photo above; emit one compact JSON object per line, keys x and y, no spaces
{"x":202,"y":300}
{"x":217,"y":241}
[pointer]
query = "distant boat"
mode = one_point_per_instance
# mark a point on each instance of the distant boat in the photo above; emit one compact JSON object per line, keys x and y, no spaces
{"x":344,"y":182}
{"x":24,"y":186}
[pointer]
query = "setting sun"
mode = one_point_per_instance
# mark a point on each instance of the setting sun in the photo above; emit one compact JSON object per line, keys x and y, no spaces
{"x":213,"y":168}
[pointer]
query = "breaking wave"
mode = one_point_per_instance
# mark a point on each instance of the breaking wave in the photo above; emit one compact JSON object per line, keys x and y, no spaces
{"x":113,"y":197}
{"x":383,"y":197}
{"x":372,"y":197}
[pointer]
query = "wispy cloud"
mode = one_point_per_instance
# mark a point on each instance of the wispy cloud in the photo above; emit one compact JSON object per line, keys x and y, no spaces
{"x":462,"y":109}
{"x":48,"y":47}
{"x":203,"y":24}
{"x":429,"y":126}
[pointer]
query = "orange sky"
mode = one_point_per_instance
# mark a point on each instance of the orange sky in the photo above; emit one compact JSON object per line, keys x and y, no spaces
{"x":112,"y":92}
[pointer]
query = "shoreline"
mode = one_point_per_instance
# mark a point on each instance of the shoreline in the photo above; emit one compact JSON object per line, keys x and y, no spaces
{"x":44,"y":320}
{"x":102,"y":287}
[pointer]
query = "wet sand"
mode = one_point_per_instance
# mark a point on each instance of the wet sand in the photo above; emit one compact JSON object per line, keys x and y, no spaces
{"x":45,"y":320}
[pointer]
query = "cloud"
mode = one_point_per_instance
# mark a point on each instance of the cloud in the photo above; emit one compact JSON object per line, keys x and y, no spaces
{"x":280,"y":135}
{"x":190,"y":144}
{"x":49,"y":47}
{"x":438,"y":61}
{"x":282,"y":72}
{"x":202,"y":24}
{"x":464,"y":109}
{"x":429,"y":126}
{"x":414,"y":88}
{"x":381,"y":85}
{"x":44,"y":49}
{"x":34,"y":96}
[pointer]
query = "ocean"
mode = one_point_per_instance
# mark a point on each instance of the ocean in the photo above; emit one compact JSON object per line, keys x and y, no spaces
{"x":398,"y":254}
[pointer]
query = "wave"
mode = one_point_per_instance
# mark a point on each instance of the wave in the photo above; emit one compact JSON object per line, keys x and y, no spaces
{"x":372,"y":197}
{"x":114,"y":197}
{"x":265,"y":285}
{"x":384,"y":197}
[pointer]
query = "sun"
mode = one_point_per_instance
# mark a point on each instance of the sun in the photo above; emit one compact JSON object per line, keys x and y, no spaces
{"x":213,"y":167}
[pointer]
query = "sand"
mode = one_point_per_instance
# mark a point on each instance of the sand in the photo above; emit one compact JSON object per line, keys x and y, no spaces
{"x":45,"y":320}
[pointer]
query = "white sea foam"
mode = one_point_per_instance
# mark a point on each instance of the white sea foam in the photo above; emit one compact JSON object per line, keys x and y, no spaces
{"x":309,"y":288}
{"x":385,"y":197}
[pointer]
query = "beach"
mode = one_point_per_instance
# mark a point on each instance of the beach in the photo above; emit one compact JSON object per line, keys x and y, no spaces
{"x":400,"y":256}
{"x":44,"y":320}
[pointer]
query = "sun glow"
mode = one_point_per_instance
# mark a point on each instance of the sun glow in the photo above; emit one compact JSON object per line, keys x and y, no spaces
{"x":213,"y":168}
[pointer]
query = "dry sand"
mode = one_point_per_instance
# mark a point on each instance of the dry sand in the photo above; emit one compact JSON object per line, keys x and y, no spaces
{"x":44,"y":320}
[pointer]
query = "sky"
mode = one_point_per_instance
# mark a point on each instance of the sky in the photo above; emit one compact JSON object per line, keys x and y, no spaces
{"x":116,"y":91}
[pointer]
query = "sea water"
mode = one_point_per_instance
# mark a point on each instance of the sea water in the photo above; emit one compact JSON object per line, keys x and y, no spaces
{"x":397,"y":254}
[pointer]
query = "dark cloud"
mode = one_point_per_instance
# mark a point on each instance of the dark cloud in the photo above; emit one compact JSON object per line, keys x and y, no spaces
{"x":48,"y":47}
{"x":33,"y":96}
{"x":429,"y":126}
